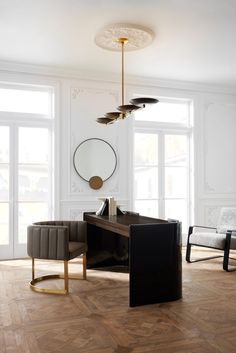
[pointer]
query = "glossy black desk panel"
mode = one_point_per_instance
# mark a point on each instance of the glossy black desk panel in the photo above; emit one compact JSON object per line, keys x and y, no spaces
{"x":150,"y":248}
{"x":106,"y":248}
{"x":155,"y":263}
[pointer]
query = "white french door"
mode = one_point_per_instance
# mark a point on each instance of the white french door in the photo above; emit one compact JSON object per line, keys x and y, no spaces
{"x":162,"y":160}
{"x":6,"y":214}
{"x":26,"y":162}
{"x":25,"y":183}
{"x":161,"y":174}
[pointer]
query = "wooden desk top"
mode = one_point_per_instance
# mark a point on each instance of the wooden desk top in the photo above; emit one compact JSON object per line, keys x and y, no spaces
{"x":120,"y":224}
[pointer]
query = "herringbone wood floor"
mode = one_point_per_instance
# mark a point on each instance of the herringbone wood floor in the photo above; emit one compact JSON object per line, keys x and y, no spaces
{"x":95,"y":317}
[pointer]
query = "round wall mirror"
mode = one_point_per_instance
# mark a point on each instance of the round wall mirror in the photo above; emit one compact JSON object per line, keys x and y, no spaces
{"x":95,"y":161}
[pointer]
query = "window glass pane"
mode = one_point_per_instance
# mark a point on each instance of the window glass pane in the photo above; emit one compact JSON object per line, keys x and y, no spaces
{"x":177,"y":209}
{"x":146,"y":183}
{"x":4,"y":182}
{"x":24,"y":101}
{"x":146,"y":149}
{"x":4,"y":223}
{"x":167,"y":112}
{"x":147,"y":207}
{"x":33,"y":145}
{"x":176,"y":150}
{"x":33,"y":183}
{"x":27,"y":214}
{"x":175,"y":182}
{"x":4,"y":144}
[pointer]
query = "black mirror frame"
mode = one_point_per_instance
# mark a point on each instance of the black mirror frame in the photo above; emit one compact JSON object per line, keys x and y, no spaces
{"x":95,"y":138}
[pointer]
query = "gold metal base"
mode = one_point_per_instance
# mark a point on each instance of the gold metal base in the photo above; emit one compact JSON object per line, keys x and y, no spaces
{"x":123,"y":40}
{"x":66,"y":278}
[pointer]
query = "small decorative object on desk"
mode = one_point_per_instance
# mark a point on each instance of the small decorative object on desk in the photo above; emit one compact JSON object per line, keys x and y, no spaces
{"x":103,"y":209}
{"x":172,"y":220}
{"x":108,"y":207}
{"x":112,"y":206}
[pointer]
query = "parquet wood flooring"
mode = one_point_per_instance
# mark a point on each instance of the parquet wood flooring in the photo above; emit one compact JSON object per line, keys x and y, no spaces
{"x":95,"y":317}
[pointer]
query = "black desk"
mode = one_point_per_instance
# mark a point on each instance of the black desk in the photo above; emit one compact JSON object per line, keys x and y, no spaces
{"x":149,"y":247}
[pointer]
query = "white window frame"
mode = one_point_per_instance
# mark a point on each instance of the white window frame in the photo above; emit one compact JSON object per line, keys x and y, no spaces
{"x":162,"y":129}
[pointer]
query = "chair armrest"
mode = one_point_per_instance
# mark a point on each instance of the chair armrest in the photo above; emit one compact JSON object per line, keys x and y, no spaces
{"x":203,"y":227}
{"x":191,"y":230}
{"x":48,"y":242}
{"x":197,"y":229}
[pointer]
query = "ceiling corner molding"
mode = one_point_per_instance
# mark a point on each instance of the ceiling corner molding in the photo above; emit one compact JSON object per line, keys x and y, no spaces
{"x":54,"y":73}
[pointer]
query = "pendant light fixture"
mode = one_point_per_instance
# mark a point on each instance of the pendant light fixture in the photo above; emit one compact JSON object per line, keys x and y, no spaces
{"x":119,"y":37}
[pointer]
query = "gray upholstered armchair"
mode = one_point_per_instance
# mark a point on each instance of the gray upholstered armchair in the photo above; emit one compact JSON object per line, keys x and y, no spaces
{"x":56,"y":240}
{"x":223,"y":237}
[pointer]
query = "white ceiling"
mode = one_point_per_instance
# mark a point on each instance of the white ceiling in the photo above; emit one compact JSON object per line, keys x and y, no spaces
{"x":194,"y":39}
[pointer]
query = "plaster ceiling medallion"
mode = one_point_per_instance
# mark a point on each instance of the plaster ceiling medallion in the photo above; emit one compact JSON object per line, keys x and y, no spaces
{"x":139,"y":37}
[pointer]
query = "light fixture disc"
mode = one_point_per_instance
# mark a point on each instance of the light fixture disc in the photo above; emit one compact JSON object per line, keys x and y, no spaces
{"x":138,"y":37}
{"x":112,"y":115}
{"x":127,"y":108}
{"x":104,"y":120}
{"x":144,"y":100}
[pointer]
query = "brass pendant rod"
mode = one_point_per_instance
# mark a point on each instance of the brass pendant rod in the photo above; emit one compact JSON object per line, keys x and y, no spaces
{"x":123,"y":74}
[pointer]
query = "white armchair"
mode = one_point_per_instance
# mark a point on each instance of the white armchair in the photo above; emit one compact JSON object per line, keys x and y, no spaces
{"x":223,"y":237}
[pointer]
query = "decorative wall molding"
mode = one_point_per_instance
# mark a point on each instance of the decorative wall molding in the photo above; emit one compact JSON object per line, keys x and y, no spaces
{"x":76,"y":214}
{"x":76,"y":92}
{"x":85,"y":103}
{"x":211,"y":210}
{"x":219,"y":166}
{"x":74,"y":211}
{"x":87,"y":202}
{"x":115,"y":189}
{"x":76,"y":188}
{"x":211,"y":215}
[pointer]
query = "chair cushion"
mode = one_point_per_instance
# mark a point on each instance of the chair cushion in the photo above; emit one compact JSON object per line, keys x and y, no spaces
{"x":208,"y":239}
{"x":76,"y":249}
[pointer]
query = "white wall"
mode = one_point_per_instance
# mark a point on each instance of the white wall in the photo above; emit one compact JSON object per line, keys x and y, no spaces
{"x":80,"y":100}
{"x":215,"y":156}
{"x":83,"y":102}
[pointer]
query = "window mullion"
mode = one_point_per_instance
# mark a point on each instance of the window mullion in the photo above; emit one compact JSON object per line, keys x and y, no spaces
{"x":161,"y":175}
{"x":14,"y":177}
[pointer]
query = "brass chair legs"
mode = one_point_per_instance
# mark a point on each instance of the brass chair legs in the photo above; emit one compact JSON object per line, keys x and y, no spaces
{"x":84,"y":266}
{"x":66,"y":278}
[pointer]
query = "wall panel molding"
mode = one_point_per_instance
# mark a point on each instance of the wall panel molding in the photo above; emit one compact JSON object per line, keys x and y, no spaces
{"x":86,"y":104}
{"x":219,"y":149}
{"x":210,"y":210}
